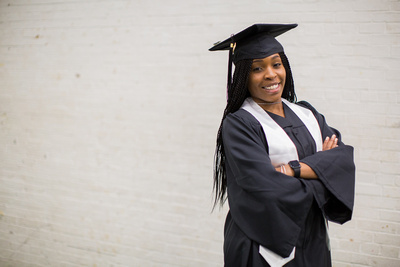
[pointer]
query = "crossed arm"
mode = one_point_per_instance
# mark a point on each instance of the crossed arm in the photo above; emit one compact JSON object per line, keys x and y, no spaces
{"x":306,"y":172}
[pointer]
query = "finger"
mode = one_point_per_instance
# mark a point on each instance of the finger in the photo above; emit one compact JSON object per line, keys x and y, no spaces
{"x":325,"y":144}
{"x":335,"y":143}
{"x":331,"y":142}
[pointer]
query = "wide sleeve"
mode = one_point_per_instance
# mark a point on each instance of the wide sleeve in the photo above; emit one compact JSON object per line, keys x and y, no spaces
{"x":269,"y":207}
{"x":336,"y":171}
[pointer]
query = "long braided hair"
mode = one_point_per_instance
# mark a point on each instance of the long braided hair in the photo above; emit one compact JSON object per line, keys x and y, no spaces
{"x":237,"y":93}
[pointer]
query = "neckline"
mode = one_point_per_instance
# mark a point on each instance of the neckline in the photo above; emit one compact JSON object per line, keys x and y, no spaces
{"x":279,"y":116}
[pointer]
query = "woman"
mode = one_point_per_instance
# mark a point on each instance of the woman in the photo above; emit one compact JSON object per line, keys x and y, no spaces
{"x":284,"y":171}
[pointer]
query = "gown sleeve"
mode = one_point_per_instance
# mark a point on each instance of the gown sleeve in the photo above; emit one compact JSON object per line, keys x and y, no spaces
{"x":269,"y":207}
{"x":336,"y":172}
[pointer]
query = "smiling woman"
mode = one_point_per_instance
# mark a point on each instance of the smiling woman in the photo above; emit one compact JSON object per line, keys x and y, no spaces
{"x":266,"y":82}
{"x":284,"y":171}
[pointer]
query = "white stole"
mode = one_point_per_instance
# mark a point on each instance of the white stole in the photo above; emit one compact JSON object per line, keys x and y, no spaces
{"x":281,"y":147}
{"x":281,"y":151}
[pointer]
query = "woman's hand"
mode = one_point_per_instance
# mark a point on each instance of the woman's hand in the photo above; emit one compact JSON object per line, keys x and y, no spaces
{"x":329,"y":143}
{"x":306,"y":172}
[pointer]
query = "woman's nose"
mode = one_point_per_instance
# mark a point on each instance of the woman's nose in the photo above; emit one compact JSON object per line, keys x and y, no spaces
{"x":269,"y":74}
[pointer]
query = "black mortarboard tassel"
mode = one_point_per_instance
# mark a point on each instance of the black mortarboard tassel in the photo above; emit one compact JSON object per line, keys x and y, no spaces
{"x":256,"y":41}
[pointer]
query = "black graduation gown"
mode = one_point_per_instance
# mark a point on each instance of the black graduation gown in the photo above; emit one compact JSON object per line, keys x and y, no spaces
{"x":278,"y":211}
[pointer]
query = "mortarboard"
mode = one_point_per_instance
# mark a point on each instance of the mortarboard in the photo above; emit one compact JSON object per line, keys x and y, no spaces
{"x":256,"y":41}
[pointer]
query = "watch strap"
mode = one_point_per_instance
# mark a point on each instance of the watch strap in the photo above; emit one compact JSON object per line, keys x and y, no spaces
{"x":295,"y":165}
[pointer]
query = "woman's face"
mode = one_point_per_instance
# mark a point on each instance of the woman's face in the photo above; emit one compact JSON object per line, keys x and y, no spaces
{"x":267,"y":79}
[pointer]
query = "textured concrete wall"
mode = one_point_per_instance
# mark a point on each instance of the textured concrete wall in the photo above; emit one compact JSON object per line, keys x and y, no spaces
{"x":109,"y":112}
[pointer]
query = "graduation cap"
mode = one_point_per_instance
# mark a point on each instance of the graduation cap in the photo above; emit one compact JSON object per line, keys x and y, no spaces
{"x":256,"y":41}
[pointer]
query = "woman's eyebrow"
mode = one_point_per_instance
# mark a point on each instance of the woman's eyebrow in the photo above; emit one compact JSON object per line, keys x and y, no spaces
{"x":261,"y":60}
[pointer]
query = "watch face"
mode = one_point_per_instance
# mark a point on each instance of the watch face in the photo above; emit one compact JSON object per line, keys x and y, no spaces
{"x":294,"y":164}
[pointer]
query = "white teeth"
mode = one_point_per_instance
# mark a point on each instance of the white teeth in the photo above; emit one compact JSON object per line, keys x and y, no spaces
{"x":272,"y":87}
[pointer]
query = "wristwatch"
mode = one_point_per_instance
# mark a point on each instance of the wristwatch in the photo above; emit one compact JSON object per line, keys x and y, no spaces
{"x":295,"y":165}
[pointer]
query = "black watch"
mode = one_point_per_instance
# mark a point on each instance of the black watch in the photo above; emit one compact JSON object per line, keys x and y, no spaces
{"x":295,"y":165}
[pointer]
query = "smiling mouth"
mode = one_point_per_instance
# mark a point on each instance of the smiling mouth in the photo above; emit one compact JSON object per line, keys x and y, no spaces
{"x":272,"y":87}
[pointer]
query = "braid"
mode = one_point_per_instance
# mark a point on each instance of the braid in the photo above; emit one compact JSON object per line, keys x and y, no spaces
{"x":288,"y":92}
{"x":237,"y":93}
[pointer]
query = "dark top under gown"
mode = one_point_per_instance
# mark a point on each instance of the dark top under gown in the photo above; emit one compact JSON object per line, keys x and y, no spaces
{"x":276,"y":210}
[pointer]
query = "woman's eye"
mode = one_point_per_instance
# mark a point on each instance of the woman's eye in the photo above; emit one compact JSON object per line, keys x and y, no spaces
{"x":257,"y":69}
{"x":277,"y":64}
